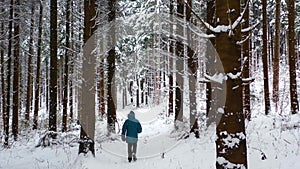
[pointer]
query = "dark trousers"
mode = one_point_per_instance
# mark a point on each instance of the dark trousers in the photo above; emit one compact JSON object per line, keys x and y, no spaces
{"x":132,"y":150}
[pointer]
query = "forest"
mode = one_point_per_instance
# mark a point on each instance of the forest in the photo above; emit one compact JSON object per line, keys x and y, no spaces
{"x":214,"y":83}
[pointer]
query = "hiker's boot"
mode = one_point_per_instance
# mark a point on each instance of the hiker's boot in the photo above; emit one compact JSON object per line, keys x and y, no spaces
{"x":134,"y":157}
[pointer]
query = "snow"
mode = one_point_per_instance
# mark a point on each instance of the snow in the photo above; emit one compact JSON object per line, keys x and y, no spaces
{"x":217,"y":77}
{"x":244,"y":30}
{"x":234,"y":76}
{"x":232,"y":140}
{"x":220,"y":110}
{"x":222,"y":161}
{"x":159,"y":147}
{"x":273,"y":141}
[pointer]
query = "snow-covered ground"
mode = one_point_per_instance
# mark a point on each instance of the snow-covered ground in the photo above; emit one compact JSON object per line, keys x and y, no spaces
{"x":273,"y":142}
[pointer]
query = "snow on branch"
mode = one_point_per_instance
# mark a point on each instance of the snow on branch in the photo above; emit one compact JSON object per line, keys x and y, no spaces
{"x":243,"y":40}
{"x":227,"y":164}
{"x":221,"y":28}
{"x":230,"y":141}
{"x":248,"y":80}
{"x":217,"y":77}
{"x":234,"y":76}
{"x":207,"y":25}
{"x":250,"y":28}
{"x":200,"y":34}
{"x":239,"y":19}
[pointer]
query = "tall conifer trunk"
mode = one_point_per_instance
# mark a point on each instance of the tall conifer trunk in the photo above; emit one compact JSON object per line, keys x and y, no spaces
{"x":2,"y":53}
{"x":111,"y":108}
{"x":16,"y":79}
{"x":276,"y":55}
{"x":66,"y":67}
{"x":30,"y":69}
{"x":179,"y":51}
{"x":292,"y":57}
{"x":53,"y":66}
{"x":72,"y":58}
{"x":210,"y":114}
{"x":171,"y":60}
{"x":38,"y":67}
{"x":87,"y":98}
{"x":246,"y":64}
{"x":8,"y":77}
{"x":231,"y":125}
{"x":265,"y":58}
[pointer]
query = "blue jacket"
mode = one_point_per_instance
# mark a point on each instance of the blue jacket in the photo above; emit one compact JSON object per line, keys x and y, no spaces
{"x":131,"y":128}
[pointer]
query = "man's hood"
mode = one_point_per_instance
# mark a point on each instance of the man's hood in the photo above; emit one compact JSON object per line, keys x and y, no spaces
{"x":131,"y":115}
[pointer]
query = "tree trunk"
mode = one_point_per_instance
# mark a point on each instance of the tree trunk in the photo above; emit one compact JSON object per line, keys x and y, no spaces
{"x":142,"y":90}
{"x":210,"y":114}
{"x":2,"y":53}
{"x":193,"y":66}
{"x":131,"y":91}
{"x":30,"y":71}
{"x":66,"y":73}
{"x":53,"y":66}
{"x":60,"y":77}
{"x":8,"y":77}
{"x":292,"y":57}
{"x":102,"y":88}
{"x":16,"y":80}
{"x":171,"y":96}
{"x":38,"y":67}
{"x":231,"y":125}
{"x":171,"y":60}
{"x":137,"y":92}
{"x":111,"y":109}
{"x":147,"y":91}
{"x":101,"y":82}
{"x":47,"y":84}
{"x":178,"y":105}
{"x":87,"y":100}
{"x":179,"y":51}
{"x":276,"y":56}
{"x":71,"y":62}
{"x":246,"y":65}
{"x":265,"y":58}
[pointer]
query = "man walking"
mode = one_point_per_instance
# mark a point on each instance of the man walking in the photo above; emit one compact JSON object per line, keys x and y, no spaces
{"x":130,"y":131}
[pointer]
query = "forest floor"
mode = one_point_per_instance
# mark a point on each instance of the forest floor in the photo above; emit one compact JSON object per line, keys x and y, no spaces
{"x":273,"y":142}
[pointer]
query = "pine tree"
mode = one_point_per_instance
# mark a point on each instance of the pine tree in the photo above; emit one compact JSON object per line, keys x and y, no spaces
{"x":179,"y":52}
{"x":171,"y":60}
{"x":38,"y":67}
{"x":265,"y":58}
{"x":53,"y":66}
{"x":16,"y":79}
{"x":87,"y":100}
{"x":192,"y":62}
{"x":246,"y":64}
{"x":111,"y":109}
{"x":66,"y":69}
{"x":2,"y":54}
{"x":30,"y":67}
{"x":276,"y":55}
{"x":8,"y":77}
{"x":210,"y":113}
{"x":292,"y":57}
{"x":231,"y":125}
